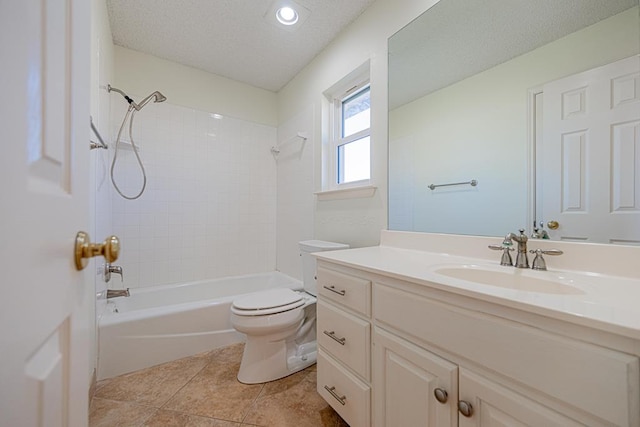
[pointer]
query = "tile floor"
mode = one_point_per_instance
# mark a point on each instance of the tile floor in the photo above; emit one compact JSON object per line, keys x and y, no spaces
{"x":202,"y":391}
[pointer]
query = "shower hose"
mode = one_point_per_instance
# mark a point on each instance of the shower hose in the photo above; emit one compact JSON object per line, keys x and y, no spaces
{"x":130,"y":112}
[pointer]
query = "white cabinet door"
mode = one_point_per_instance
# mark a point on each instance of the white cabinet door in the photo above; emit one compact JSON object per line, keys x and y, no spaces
{"x":406,"y":377}
{"x":495,"y":406}
{"x":590,"y":155}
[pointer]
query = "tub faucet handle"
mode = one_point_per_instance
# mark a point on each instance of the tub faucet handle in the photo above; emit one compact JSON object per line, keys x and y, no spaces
{"x":116,"y":269}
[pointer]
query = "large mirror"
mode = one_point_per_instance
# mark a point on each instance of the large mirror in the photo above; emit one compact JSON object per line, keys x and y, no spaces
{"x":506,"y":112}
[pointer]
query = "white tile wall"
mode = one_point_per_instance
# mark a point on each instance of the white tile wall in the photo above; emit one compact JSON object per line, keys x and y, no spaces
{"x":295,"y":190}
{"x":209,"y":209}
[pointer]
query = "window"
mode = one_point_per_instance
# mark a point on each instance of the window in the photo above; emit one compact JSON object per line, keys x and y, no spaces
{"x":352,"y":144}
{"x":346,"y":138}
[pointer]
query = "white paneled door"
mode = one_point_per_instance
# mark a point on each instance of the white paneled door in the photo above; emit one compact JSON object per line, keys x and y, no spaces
{"x":44,"y":116}
{"x":591,"y":155}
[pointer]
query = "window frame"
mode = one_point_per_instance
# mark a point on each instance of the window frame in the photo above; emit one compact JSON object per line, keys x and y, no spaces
{"x":353,"y":89}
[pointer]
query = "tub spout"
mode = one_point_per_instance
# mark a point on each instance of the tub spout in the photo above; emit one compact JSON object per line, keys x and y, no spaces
{"x":114,"y":293}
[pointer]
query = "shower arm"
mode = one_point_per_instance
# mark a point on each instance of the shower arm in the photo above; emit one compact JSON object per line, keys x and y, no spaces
{"x":113,"y":89}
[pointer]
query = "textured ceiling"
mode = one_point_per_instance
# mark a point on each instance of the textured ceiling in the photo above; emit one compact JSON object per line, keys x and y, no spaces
{"x":230,"y":38}
{"x":456,"y":39}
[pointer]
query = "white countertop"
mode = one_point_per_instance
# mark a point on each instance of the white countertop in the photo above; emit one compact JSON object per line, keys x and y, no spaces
{"x":601,"y":301}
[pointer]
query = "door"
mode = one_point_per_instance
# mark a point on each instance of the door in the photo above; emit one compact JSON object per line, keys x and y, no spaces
{"x":44,"y":116}
{"x":590,"y":158}
{"x":413,"y":387}
{"x":488,"y":404}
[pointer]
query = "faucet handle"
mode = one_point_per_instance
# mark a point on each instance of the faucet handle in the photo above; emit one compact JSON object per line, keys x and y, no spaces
{"x":538,"y":262}
{"x":506,"y":256}
{"x":116,"y":269}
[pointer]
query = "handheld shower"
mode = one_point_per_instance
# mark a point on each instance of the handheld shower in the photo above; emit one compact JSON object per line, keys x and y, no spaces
{"x":133,"y":107}
{"x":157,"y":97}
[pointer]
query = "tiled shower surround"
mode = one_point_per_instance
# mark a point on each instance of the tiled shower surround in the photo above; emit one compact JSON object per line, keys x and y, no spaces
{"x":209,"y":209}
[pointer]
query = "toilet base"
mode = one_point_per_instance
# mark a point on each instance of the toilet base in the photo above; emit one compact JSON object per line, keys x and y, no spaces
{"x":264,"y":361}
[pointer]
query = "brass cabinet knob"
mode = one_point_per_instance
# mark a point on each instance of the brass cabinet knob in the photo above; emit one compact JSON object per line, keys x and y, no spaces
{"x":465,"y":408}
{"x":441,"y":395}
{"x":553,"y":225}
{"x":84,"y":249}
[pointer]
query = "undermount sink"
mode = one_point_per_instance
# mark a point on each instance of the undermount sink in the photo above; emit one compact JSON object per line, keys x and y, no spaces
{"x":512,"y":278}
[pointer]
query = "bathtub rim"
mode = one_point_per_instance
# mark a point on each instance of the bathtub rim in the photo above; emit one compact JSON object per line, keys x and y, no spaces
{"x":110,"y":317}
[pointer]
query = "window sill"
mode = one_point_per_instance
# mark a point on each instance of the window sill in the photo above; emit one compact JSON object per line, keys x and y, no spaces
{"x":347,"y":193}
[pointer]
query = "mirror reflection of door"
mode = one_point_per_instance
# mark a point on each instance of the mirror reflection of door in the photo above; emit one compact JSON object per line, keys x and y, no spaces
{"x":589,"y":163}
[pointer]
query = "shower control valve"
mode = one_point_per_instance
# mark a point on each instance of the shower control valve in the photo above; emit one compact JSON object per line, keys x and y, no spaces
{"x":108,"y":269}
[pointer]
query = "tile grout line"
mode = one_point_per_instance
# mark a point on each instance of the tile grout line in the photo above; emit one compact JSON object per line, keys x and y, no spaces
{"x":187,"y":383}
{"x":252,"y":404}
{"x":162,"y":407}
{"x":142,"y":423}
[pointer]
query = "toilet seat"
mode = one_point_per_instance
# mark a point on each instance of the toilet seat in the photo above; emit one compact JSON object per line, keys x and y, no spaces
{"x":267,"y":302}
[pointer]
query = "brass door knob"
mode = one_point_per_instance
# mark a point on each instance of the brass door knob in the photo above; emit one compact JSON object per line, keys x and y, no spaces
{"x":553,"y":225}
{"x":84,"y":249}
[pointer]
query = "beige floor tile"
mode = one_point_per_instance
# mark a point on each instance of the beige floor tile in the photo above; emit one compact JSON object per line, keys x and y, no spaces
{"x":203,"y":391}
{"x":163,"y":418}
{"x":293,"y":401}
{"x":109,"y":413}
{"x":286,"y":383}
{"x":229,"y":354}
{"x":215,"y":392}
{"x":153,"y":386}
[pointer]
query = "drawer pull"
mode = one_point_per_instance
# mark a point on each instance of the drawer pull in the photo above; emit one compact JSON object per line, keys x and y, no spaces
{"x":331,"y":390}
{"x":333,"y":289}
{"x":465,"y":408}
{"x":441,"y":395}
{"x":332,"y":335}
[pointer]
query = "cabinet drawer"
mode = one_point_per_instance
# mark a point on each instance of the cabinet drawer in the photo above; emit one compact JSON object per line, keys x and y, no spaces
{"x":350,"y":291}
{"x":559,"y":367}
{"x":346,"y":337}
{"x":349,"y":396}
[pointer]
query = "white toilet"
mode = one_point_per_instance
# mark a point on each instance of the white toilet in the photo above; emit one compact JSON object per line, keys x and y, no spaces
{"x":280,"y":324}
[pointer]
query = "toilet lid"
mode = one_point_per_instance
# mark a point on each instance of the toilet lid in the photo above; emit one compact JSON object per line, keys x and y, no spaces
{"x":272,"y":299}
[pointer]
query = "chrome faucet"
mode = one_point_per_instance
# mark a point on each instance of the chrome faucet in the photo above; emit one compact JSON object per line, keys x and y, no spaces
{"x":115,"y":269}
{"x":539,"y":233}
{"x":522,"y":260}
{"x":114,"y":293}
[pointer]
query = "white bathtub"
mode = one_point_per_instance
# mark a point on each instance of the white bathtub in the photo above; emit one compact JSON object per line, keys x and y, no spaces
{"x":163,"y":323}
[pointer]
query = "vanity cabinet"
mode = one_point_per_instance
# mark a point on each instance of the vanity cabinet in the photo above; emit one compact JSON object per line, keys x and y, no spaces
{"x":344,"y":344}
{"x":441,"y":359}
{"x":414,"y":387}
{"x":508,"y":370}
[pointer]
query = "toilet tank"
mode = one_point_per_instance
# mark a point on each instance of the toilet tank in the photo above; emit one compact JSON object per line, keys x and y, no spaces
{"x":307,"y":247}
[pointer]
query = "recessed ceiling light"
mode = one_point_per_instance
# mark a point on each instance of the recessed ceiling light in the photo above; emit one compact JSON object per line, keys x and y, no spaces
{"x":287,"y":15}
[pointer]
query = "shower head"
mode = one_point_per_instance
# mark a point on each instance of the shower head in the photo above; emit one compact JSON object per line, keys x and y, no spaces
{"x":156,"y":96}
